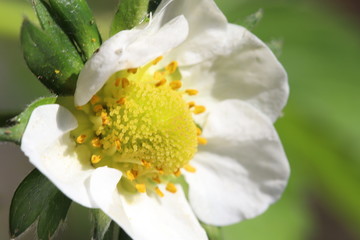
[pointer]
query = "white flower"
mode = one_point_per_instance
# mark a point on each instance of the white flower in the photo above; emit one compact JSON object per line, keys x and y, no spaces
{"x":239,"y":172}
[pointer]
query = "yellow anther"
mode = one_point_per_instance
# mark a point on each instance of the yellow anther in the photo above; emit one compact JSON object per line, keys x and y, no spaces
{"x":95,"y":142}
{"x":146,"y":164}
{"x":161,"y":172}
{"x":189,"y":168}
{"x":95,"y":159}
{"x":81,"y":139}
{"x":171,"y":68}
{"x":176,"y":84}
{"x":199,"y":109}
{"x":93,"y":39}
{"x":104,"y":118}
{"x":57,"y":71}
{"x":117,"y":82}
{"x":191,"y":92}
{"x":140,"y":187}
{"x":79,"y":107}
{"x":177,"y":173}
{"x":171,"y":188}
{"x":157,"y":60}
{"x":198,"y":131}
{"x":191,"y":104}
{"x":159,"y":192}
{"x":118,"y":144}
{"x":158,"y":76}
{"x":202,"y":140}
{"x":121,"y":101}
{"x":98,"y":108}
{"x":132,"y":70}
{"x":160,"y":83}
{"x":95,"y":99}
{"x":131,"y":174}
{"x":125,"y":82}
{"x":157,"y":179}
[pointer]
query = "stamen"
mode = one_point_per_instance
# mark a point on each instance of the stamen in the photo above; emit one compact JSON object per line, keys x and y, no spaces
{"x":81,"y":139}
{"x":121,"y":101}
{"x":125,"y":82}
{"x":159,"y":192}
{"x":104,"y":118}
{"x":191,"y":104}
{"x":95,"y":142}
{"x":118,"y":144}
{"x":98,"y":108}
{"x":176,"y":84}
{"x":117,"y":82}
{"x":140,"y":187}
{"x":157,"y":179}
{"x":57,"y":71}
{"x":177,"y":173}
{"x":157,"y":60}
{"x":132,"y":70}
{"x":160,"y":83}
{"x":158,"y":76}
{"x":95,"y":99}
{"x":198,"y":131}
{"x":95,"y":159}
{"x":131,"y":174}
{"x":189,"y":168}
{"x":146,"y":164}
{"x":199,"y":109}
{"x":171,"y":68}
{"x":171,"y":188}
{"x":191,"y":92}
{"x":202,"y":140}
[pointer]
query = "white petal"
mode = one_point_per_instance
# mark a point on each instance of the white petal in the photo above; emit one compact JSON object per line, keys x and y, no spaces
{"x":247,"y":70}
{"x":143,"y":216}
{"x":207,"y":29}
{"x":128,"y":49}
{"x":46,"y":141}
{"x":243,"y":168}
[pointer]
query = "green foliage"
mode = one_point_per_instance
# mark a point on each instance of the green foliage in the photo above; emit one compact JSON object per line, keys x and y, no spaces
{"x":130,"y":13}
{"x":37,"y":198}
{"x":76,"y":19}
{"x":15,"y":132}
{"x":49,"y":61}
{"x":213,"y":232}
{"x":102,"y":229}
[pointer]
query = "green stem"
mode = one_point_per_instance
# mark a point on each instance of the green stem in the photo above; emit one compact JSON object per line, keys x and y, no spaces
{"x":10,"y":134}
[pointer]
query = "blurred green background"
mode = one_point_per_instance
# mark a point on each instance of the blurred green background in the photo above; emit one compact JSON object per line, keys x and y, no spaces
{"x":320,"y":128}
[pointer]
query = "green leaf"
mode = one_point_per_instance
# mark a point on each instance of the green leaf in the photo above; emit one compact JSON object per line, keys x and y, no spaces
{"x":101,"y":225}
{"x":78,"y":22}
{"x":130,"y":13}
{"x":37,"y":198}
{"x":15,"y":132}
{"x":153,"y":4}
{"x":54,"y":64}
{"x":123,"y":235}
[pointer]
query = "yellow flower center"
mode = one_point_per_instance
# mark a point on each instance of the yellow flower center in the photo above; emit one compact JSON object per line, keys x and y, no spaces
{"x":140,"y":124}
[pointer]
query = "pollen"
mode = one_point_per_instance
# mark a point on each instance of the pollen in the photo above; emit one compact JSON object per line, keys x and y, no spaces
{"x":199,"y":109}
{"x":198,"y":131}
{"x":95,"y":142}
{"x":95,"y":99}
{"x":202,"y":140}
{"x":131,"y":175}
{"x":98,"y":108}
{"x":161,"y":82}
{"x":57,"y":71}
{"x":191,"y":92}
{"x":170,"y":187}
{"x":125,"y":82}
{"x":95,"y":159}
{"x":157,"y":60}
{"x":132,"y":70}
{"x":121,"y":101}
{"x":177,"y":173}
{"x":159,"y":192}
{"x":171,"y":68}
{"x":140,"y":187}
{"x":176,"y":84}
{"x":189,"y":168}
{"x":81,"y":139}
{"x":191,"y":104}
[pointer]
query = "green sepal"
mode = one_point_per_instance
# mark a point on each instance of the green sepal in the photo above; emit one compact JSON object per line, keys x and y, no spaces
{"x":213,"y":232}
{"x":18,"y":124}
{"x":252,"y":20}
{"x":102,"y":228}
{"x":130,"y":13}
{"x":76,"y":19}
{"x":53,"y":63}
{"x":37,"y":198}
{"x":276,"y":46}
